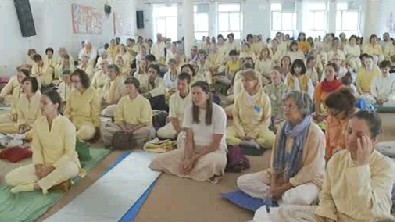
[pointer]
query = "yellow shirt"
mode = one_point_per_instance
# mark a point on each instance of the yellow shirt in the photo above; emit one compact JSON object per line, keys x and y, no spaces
{"x":10,"y":86}
{"x":55,"y":145}
{"x":29,"y":109}
{"x":42,"y":73}
{"x":364,"y":79}
{"x":357,"y":193}
{"x":373,"y":50}
{"x":83,"y":108}
{"x":99,"y":80}
{"x":89,"y":70}
{"x":177,"y":106}
{"x":233,"y":66}
{"x":114,"y":90}
{"x":136,"y":111}
{"x":251,"y":113}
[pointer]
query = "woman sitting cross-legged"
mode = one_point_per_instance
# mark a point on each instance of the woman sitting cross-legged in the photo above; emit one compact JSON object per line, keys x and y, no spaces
{"x":54,"y":157}
{"x":358,"y":181}
{"x":27,"y":107}
{"x":297,"y":162}
{"x":251,"y":114}
{"x":201,"y":155}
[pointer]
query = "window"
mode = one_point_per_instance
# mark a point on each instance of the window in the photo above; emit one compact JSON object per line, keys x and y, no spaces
{"x":347,"y":18}
{"x":283,"y":18}
{"x":317,"y":18}
{"x":229,"y":19}
{"x":201,"y":21}
{"x":164,"y":19}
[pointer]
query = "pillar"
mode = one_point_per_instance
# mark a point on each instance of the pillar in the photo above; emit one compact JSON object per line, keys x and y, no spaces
{"x":370,"y":18}
{"x":212,"y":19}
{"x":188,"y":25}
{"x":332,"y":13}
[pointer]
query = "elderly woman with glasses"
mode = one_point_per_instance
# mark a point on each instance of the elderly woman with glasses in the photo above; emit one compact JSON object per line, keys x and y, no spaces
{"x":297,"y":162}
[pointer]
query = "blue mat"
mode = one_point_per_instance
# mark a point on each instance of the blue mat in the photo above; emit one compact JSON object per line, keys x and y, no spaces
{"x":245,"y":201}
{"x":131,"y":214}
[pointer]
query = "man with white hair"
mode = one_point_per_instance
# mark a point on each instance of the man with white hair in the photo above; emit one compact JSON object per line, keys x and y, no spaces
{"x":88,"y":50}
{"x":158,"y":49}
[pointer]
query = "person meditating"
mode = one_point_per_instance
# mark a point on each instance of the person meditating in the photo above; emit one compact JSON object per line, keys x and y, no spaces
{"x":297,"y":162}
{"x":251,"y":114}
{"x":201,"y":155}
{"x":55,"y":159}
{"x":358,"y":181}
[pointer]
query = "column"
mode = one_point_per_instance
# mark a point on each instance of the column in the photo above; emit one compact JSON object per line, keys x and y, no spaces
{"x":299,"y":17}
{"x":212,"y":18}
{"x":188,"y":24}
{"x":370,"y":18}
{"x":332,"y":13}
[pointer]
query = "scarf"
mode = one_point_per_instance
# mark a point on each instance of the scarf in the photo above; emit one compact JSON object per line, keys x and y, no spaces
{"x":331,"y":86}
{"x":303,"y":81}
{"x":294,"y":161}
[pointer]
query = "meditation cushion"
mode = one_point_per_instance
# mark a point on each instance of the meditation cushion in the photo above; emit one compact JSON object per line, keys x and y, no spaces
{"x":15,"y":154}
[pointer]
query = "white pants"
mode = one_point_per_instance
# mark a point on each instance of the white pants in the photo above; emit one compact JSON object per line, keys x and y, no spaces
{"x":26,"y":174}
{"x":256,"y":185}
{"x":287,"y":213}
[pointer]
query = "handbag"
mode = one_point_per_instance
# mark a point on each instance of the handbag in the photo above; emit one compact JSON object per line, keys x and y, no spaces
{"x":236,"y":160}
{"x":122,"y":141}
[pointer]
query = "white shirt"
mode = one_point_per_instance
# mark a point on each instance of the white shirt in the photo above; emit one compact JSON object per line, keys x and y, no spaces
{"x":177,"y":105}
{"x":202,"y":133}
{"x":158,"y":50}
{"x":383,"y":87}
{"x":169,"y":82}
{"x":352,"y":51}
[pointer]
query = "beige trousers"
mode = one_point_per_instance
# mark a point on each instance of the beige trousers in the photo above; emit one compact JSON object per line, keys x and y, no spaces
{"x":86,"y":131}
{"x":141,"y":136}
{"x":256,"y":185}
{"x":265,"y":138}
{"x":206,"y":168}
{"x":26,"y":174}
{"x":7,"y":118}
{"x":287,"y":213}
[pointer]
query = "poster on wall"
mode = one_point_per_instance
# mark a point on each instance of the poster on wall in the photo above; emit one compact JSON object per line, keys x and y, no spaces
{"x":122,"y":24}
{"x":86,"y":20}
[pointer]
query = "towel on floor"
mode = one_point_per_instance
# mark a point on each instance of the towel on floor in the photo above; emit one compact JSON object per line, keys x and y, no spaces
{"x":245,"y":201}
{"x":157,"y":146}
{"x":29,"y":206}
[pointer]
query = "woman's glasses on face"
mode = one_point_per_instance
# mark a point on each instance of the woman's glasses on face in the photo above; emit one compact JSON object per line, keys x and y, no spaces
{"x":285,"y":107}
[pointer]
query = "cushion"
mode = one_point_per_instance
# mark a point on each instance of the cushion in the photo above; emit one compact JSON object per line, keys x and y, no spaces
{"x":245,"y":201}
{"x":386,"y":148}
{"x":82,"y":150}
{"x":15,"y":154}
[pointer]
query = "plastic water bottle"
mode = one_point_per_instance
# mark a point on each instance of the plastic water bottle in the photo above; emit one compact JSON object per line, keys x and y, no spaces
{"x":268,"y":199}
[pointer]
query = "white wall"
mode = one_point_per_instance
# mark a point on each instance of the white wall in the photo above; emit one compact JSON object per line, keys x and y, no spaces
{"x":53,"y":22}
{"x":147,"y":31}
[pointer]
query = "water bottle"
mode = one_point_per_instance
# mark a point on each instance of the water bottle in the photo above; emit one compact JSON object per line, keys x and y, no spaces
{"x":268,"y":199}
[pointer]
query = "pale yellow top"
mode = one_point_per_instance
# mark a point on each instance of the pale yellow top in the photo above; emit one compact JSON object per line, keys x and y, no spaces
{"x":251,"y":116}
{"x":158,"y":88}
{"x":83,"y":108}
{"x":29,"y":109}
{"x":177,"y":106}
{"x":10,"y":86}
{"x":42,"y":73}
{"x":89,"y":70}
{"x":357,"y":193}
{"x":56,"y":144}
{"x":114,"y":90}
{"x":264,"y":67}
{"x":364,"y":79}
{"x":99,"y":80}
{"x":373,"y":50}
{"x":136,"y":111}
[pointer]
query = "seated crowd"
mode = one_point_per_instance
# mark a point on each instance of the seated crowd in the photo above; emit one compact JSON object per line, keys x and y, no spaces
{"x":295,"y":97}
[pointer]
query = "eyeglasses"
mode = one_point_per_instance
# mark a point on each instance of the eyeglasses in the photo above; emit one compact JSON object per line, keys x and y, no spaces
{"x":289,"y":107}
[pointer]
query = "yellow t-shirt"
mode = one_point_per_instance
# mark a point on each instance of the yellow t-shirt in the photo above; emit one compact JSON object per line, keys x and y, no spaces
{"x":136,"y":111}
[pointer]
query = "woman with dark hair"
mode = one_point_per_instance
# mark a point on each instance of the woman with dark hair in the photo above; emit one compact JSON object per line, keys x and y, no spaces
{"x":42,"y":71}
{"x":54,"y":157}
{"x":358,"y":180}
{"x":188,"y":68}
{"x":201,"y":155}
{"x":303,"y":45}
{"x":285,"y":65}
{"x":340,"y":106}
{"x":83,"y":106}
{"x":49,"y":59}
{"x":297,"y":161}
{"x":373,"y":48}
{"x":298,"y":81}
{"x":294,"y":52}
{"x":28,"y":109}
{"x":326,"y":87}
